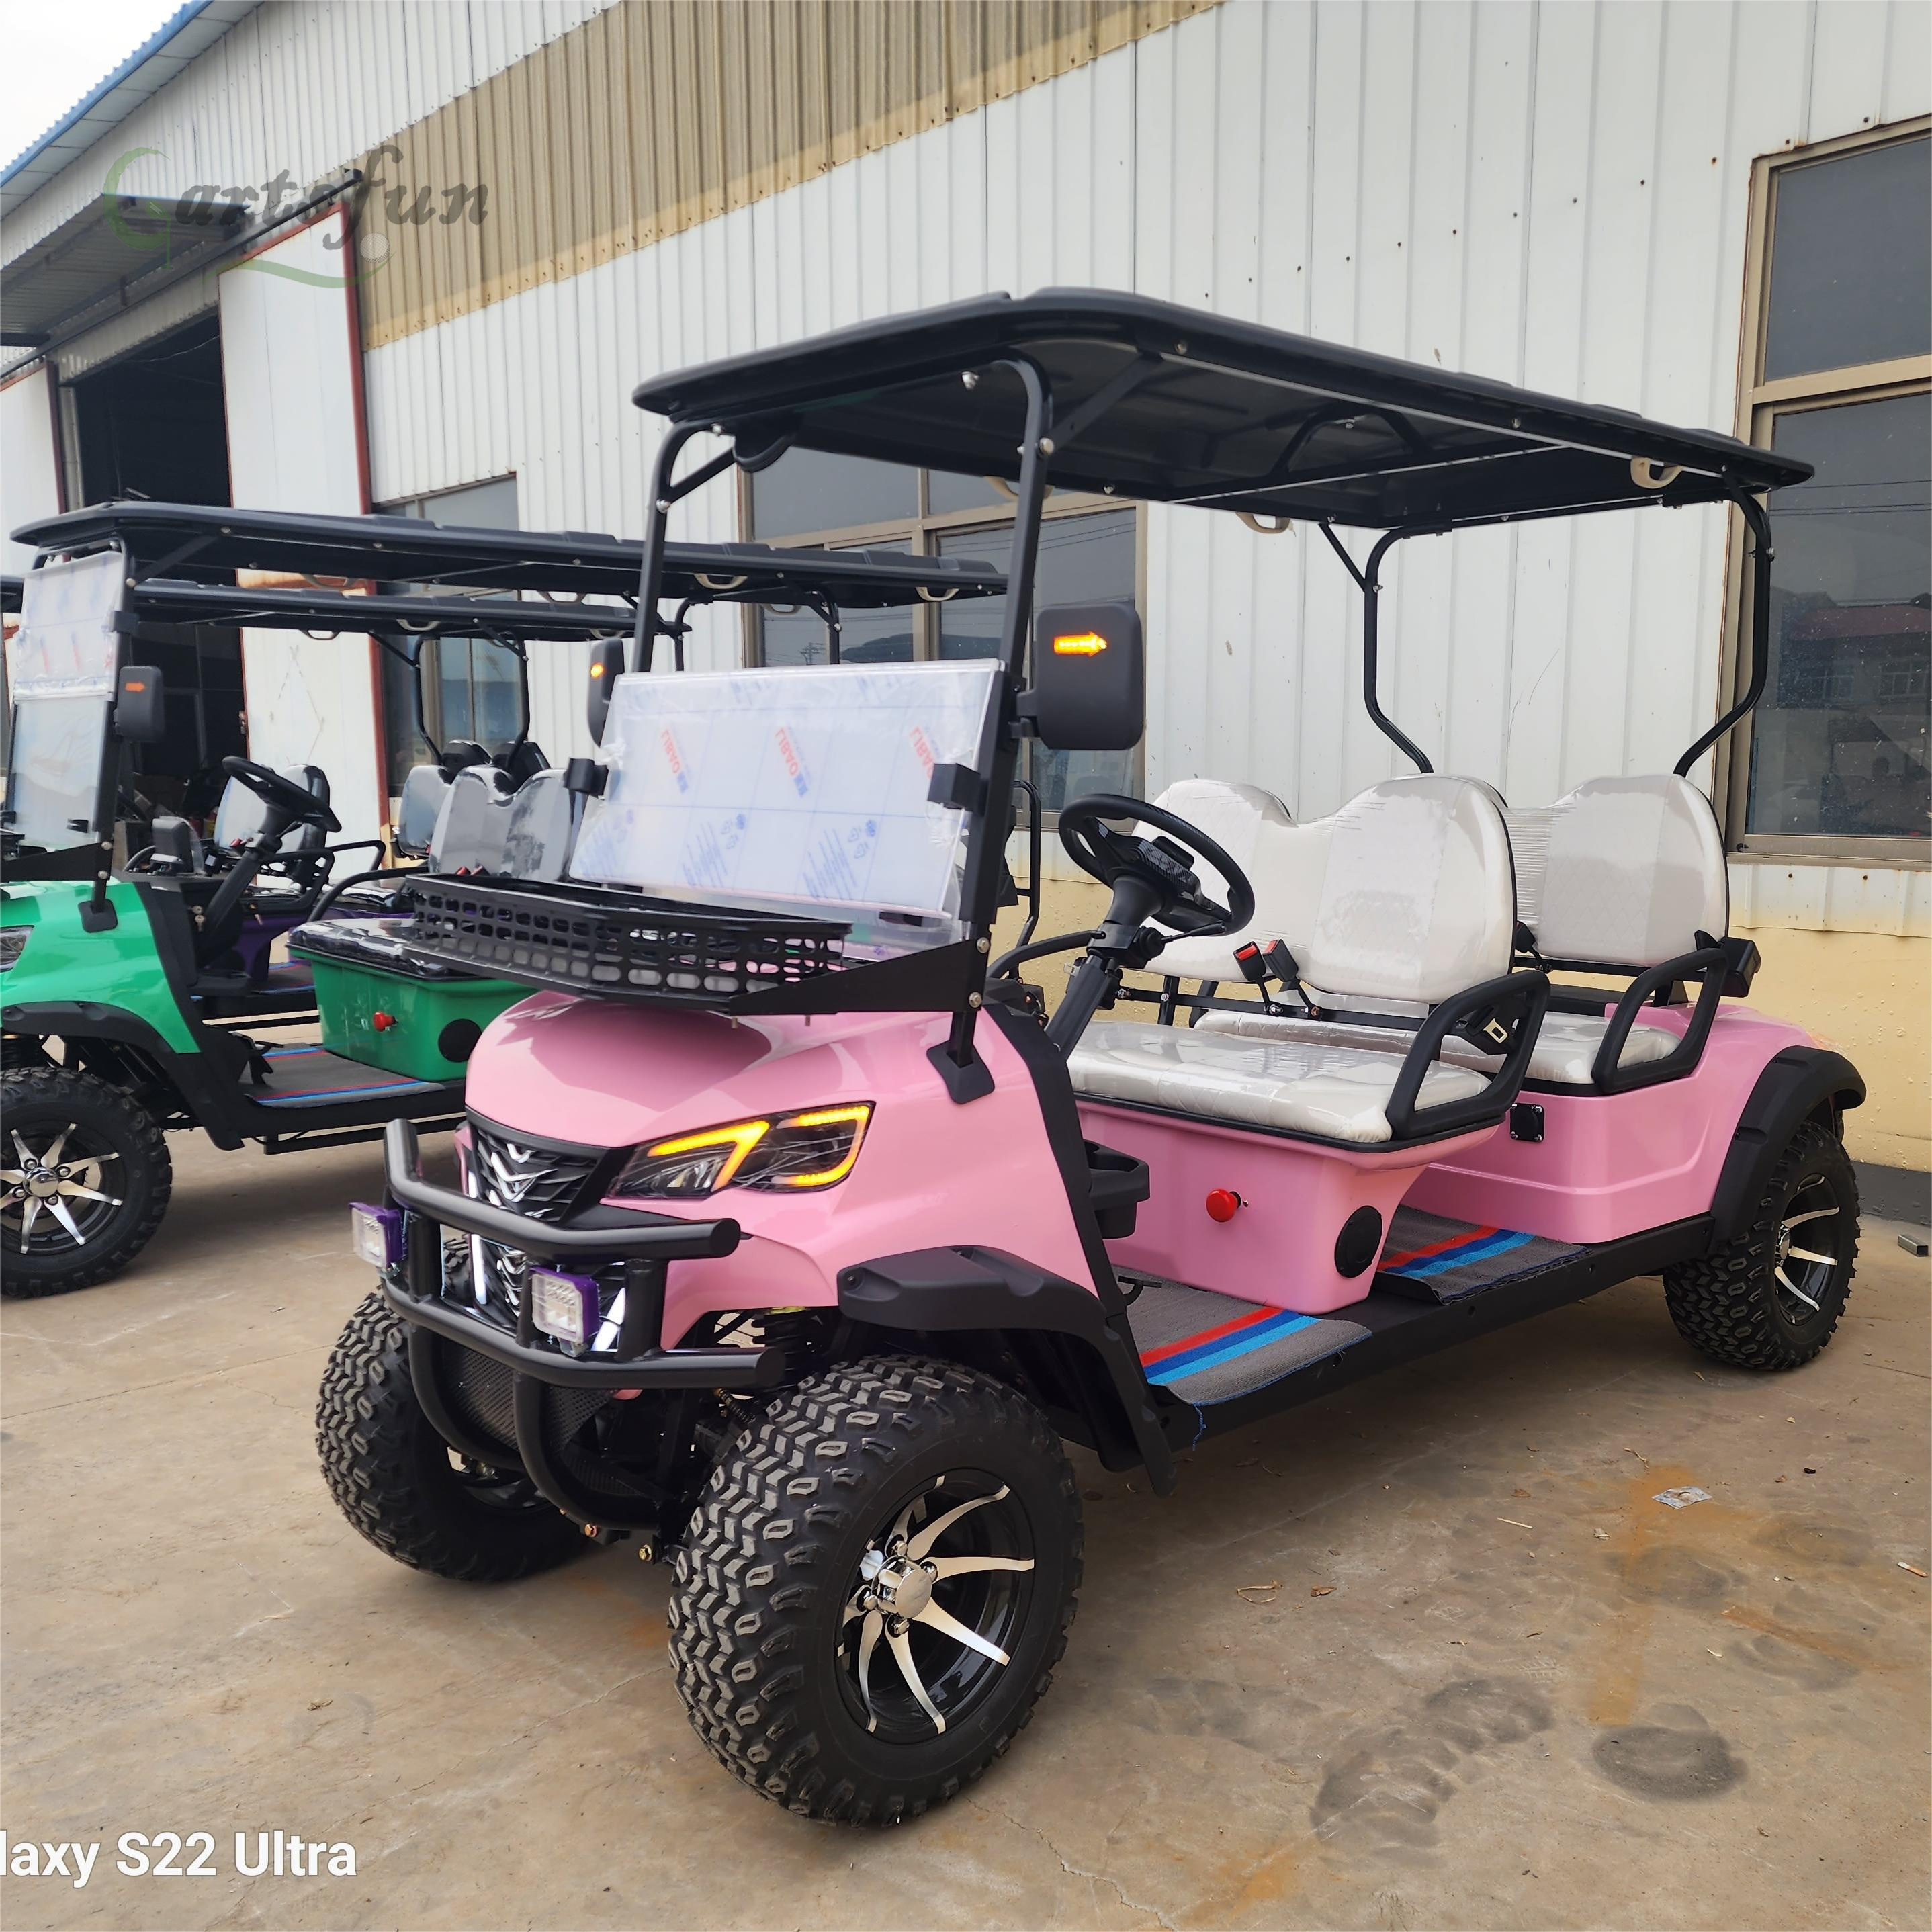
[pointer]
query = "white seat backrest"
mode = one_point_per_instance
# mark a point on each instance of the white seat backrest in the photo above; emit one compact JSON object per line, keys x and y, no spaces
{"x":541,"y":825}
{"x":1625,"y":872}
{"x":424,"y":791}
{"x":1232,"y":815}
{"x":1404,"y":896}
{"x":1418,"y":894}
{"x":470,"y":828}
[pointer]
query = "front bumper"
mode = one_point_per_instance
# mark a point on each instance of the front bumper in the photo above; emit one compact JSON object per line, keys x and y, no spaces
{"x":645,"y":1244}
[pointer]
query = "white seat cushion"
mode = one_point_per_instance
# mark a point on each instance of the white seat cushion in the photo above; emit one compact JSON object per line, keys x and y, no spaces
{"x":1565,"y":1051}
{"x":1338,"y":1091}
{"x":1566,"y":1047}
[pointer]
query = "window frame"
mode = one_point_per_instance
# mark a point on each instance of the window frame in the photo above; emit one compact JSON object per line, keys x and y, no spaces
{"x":1759,"y":405}
{"x":921,"y":532}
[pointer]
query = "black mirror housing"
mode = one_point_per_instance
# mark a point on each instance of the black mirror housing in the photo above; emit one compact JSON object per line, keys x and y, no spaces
{"x":607,"y":666}
{"x":140,"y":706}
{"x":1089,"y":689}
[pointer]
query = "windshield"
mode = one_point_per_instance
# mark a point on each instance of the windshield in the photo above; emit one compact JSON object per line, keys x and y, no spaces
{"x":58,"y":743}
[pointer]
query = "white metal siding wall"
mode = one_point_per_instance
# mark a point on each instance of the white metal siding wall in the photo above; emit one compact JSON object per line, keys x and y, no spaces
{"x":308,"y":87}
{"x":1556,"y":195}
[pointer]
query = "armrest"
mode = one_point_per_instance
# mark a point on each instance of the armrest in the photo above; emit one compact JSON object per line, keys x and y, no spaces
{"x":1711,"y":964}
{"x":1524,"y":995}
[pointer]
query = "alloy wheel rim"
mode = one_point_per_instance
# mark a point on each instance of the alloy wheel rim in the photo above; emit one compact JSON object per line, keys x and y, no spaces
{"x":55,"y":1194}
{"x":935,"y":1607}
{"x":1806,"y":1264}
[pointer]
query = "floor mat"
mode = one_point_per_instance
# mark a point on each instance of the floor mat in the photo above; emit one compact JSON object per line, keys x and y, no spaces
{"x":310,"y":1076}
{"x":1434,"y":1258}
{"x":1205,"y":1347}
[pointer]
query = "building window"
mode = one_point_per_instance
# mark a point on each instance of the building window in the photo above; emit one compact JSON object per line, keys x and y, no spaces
{"x":1089,"y":553}
{"x":1835,"y":762}
{"x":470,"y":687}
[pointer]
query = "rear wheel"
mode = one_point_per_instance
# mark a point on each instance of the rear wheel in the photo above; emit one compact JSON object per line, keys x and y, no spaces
{"x":404,"y":1488}
{"x":84,"y":1178}
{"x":876,"y":1586}
{"x":1771,"y":1296}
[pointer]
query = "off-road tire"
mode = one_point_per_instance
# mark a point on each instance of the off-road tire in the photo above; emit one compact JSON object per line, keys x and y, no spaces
{"x":1727,"y":1303}
{"x":391,"y":1474}
{"x":755,"y":1610}
{"x":143,"y":1176}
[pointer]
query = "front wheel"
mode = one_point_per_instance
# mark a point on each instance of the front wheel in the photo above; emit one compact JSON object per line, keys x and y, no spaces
{"x":404,"y":1488}
{"x":1770,"y":1296}
{"x":84,"y":1179}
{"x":876,"y":1586}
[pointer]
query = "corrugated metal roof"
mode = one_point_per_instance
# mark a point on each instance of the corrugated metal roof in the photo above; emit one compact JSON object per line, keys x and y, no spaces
{"x":103,"y":255}
{"x":149,"y":69}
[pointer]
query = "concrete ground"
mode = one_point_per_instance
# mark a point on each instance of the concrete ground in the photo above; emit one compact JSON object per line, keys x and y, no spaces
{"x":1426,"y":1654}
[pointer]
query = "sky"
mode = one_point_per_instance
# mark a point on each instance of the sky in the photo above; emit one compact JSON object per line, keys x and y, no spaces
{"x":54,"y":52}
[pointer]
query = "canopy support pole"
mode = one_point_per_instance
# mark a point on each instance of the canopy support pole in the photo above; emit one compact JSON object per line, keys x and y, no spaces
{"x":1369,"y":577}
{"x":1758,"y":519}
{"x":986,"y":844}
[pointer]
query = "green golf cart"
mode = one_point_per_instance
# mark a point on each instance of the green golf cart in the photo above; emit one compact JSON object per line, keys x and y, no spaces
{"x":123,"y":1016}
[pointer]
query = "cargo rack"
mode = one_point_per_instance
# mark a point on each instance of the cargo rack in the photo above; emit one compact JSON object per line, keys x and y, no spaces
{"x":622,"y":944}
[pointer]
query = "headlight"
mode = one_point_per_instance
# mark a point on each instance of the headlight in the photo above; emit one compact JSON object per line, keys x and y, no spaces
{"x":815,"y":1149}
{"x":13,"y":942}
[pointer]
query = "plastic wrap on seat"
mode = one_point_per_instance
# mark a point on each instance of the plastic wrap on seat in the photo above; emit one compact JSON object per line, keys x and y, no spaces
{"x":536,"y":839}
{"x":423,"y":791}
{"x":799,"y":790}
{"x":1339,"y":1092}
{"x":470,"y":828}
{"x":1565,"y":1050}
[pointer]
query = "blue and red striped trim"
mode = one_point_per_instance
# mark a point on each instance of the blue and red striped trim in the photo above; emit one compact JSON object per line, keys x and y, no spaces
{"x":1175,"y":1361}
{"x":1440,"y":1257}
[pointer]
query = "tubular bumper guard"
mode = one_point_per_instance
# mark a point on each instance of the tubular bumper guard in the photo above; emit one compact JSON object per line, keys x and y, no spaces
{"x":645,"y":1244}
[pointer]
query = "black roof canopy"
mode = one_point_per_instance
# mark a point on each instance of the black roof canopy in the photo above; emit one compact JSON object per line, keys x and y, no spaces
{"x":187,"y":546}
{"x":1175,"y":405}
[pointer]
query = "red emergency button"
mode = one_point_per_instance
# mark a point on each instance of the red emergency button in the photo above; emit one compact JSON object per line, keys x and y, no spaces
{"x":1221,"y":1202}
{"x":382,"y":1022}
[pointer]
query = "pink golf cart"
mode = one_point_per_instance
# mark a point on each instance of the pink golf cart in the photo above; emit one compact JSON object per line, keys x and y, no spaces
{"x":793,"y":1237}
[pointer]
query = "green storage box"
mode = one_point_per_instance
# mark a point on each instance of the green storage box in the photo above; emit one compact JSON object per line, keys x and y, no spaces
{"x":383,"y":1008}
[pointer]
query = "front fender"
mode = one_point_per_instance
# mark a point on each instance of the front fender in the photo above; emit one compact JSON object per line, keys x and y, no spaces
{"x":63,"y":966}
{"x":1080,"y":1359}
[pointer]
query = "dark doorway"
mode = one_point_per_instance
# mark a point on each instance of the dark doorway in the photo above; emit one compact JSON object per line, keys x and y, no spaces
{"x":152,"y":424}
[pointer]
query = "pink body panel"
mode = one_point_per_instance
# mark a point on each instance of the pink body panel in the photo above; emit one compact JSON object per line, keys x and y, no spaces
{"x":1610,"y":1164}
{"x":931,"y":1174}
{"x":1280,"y":1247}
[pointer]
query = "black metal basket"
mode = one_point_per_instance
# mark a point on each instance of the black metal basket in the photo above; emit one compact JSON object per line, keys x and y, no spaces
{"x":590,"y":939}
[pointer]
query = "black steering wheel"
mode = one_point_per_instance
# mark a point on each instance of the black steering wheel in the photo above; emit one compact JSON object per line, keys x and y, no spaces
{"x":297,"y":802}
{"x":1160,"y":866}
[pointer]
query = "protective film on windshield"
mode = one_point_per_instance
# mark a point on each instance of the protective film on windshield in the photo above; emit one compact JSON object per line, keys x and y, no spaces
{"x":60,"y":667}
{"x":800,"y":789}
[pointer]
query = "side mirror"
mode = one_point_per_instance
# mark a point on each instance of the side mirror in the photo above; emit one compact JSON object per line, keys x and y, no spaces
{"x":1089,"y":677}
{"x":140,"y":706}
{"x":607,"y":666}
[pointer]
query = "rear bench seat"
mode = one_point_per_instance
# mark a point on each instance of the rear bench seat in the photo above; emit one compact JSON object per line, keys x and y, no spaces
{"x":1403,"y":896}
{"x":1617,"y":876}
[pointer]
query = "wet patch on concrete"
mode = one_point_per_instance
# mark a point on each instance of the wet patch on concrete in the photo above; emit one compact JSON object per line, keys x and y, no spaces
{"x":1683,"y":1759}
{"x":1390,"y":1783}
{"x":1801,"y":1540}
{"x":1669,"y":1575}
{"x":1256,"y":1715}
